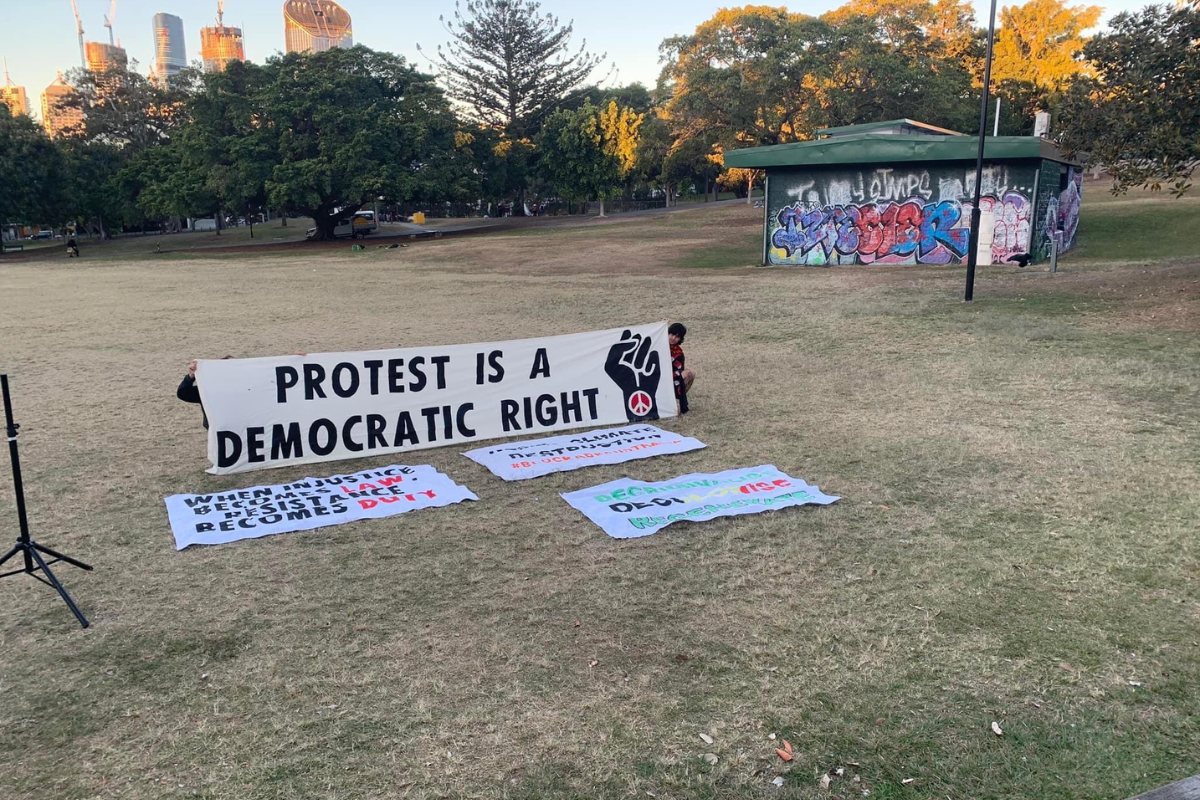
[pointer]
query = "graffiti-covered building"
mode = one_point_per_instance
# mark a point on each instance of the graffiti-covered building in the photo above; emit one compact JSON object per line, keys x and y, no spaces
{"x":900,"y":192}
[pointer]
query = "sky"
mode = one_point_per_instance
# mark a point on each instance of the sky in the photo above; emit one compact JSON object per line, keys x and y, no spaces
{"x":629,"y":31}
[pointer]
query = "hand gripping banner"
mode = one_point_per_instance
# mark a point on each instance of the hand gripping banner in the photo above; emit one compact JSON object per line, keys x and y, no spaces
{"x":287,"y":410}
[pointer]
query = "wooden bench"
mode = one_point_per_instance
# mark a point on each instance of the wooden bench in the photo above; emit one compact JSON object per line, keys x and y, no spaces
{"x":1186,"y":789}
{"x":13,"y":247}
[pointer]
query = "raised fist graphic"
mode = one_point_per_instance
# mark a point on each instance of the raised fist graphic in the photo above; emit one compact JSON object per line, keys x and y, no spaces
{"x":633,"y":366}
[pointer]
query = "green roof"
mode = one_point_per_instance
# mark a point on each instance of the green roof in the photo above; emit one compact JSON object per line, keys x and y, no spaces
{"x":867,"y":127}
{"x":883,"y":148}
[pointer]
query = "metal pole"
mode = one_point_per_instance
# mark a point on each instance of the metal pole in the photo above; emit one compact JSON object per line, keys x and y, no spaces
{"x":996,"y":129}
{"x":10,"y":429}
{"x":973,"y":255}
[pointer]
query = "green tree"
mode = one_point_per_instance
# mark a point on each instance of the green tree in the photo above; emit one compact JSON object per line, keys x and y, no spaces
{"x":1139,"y":115}
{"x":633,"y":96}
{"x":344,"y":127}
{"x":31,"y":172}
{"x":693,"y":161}
{"x":589,"y":152}
{"x":654,"y":145}
{"x":225,"y":155}
{"x":92,"y":194}
{"x":866,"y":77}
{"x":945,"y":26}
{"x":128,"y":111}
{"x":510,"y":64}
{"x":1038,"y":42}
{"x":741,"y":77}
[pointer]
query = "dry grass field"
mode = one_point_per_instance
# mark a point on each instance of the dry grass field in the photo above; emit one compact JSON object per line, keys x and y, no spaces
{"x":1017,"y":541}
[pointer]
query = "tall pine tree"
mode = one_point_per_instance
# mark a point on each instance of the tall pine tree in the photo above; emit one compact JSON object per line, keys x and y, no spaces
{"x":512,"y":64}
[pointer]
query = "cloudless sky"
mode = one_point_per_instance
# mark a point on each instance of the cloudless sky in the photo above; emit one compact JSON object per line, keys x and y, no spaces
{"x":41,"y":40}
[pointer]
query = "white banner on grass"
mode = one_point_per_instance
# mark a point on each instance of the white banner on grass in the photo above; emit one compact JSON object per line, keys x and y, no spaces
{"x":626,"y":508}
{"x":301,"y":505}
{"x":281,"y":411}
{"x":538,"y":457}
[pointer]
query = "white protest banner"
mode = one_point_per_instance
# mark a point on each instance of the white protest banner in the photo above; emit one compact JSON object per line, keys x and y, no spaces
{"x":538,"y":457}
{"x":274,"y":412}
{"x":301,"y":505}
{"x":626,"y":508}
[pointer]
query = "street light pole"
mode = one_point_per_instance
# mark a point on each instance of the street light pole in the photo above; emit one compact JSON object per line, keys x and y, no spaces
{"x":973,"y":255}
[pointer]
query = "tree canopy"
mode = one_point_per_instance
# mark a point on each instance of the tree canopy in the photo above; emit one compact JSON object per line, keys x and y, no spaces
{"x":322,"y":132}
{"x":589,"y":152}
{"x":1039,"y":42}
{"x":1139,"y":114}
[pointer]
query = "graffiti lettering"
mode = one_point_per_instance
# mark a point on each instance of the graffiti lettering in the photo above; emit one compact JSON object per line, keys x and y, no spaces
{"x":1013,"y":217}
{"x":1068,"y":208}
{"x":888,"y":232}
{"x":886,"y":185}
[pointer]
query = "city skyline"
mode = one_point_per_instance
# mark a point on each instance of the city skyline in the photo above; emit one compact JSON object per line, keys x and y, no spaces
{"x":51,"y":45}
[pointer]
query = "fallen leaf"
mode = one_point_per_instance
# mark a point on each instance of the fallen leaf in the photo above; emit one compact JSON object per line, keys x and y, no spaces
{"x":707,"y":739}
{"x":783,"y":754}
{"x":681,"y":658}
{"x":1065,"y":666}
{"x":778,"y":780}
{"x":885,"y":508}
{"x":787,"y":746}
{"x":825,"y":780}
{"x":907,"y":781}
{"x":711,"y":758}
{"x":996,"y":729}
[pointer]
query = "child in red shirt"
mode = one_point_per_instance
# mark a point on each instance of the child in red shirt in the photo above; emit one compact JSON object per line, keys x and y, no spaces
{"x":683,"y":377}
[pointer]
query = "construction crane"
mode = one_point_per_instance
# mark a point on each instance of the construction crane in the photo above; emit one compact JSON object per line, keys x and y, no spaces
{"x":108,"y":21}
{"x":79,"y":30}
{"x":7,"y":80}
{"x":220,"y":13}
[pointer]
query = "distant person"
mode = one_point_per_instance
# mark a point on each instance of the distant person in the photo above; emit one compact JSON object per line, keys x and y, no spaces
{"x":189,"y":392}
{"x":684,"y":377}
{"x":72,"y":248}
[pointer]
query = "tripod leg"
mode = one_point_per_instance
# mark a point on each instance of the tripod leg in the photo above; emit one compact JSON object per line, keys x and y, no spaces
{"x":10,"y":553}
{"x":55,"y":554}
{"x":58,"y":586}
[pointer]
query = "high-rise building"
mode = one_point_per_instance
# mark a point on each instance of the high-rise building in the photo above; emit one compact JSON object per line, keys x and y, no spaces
{"x":108,"y":63}
{"x":220,"y":44}
{"x":60,"y":115}
{"x":102,"y":57}
{"x":170,"y":55}
{"x":310,"y":26}
{"x":14,"y":97}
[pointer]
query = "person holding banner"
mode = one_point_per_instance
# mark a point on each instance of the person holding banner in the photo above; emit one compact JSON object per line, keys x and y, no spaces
{"x":683,"y":377}
{"x":189,"y":392}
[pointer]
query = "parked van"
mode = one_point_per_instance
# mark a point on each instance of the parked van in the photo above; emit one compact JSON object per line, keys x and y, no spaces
{"x":357,"y":226}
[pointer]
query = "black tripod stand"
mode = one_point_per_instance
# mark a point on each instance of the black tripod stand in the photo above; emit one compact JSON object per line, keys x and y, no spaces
{"x":30,"y":550}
